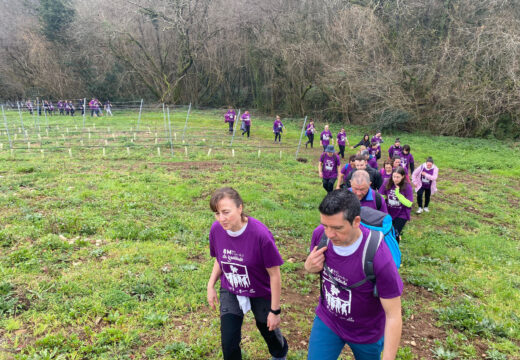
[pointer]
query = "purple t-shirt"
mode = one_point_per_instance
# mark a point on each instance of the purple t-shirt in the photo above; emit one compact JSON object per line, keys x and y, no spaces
{"x":356,"y":315}
{"x":310,"y":129}
{"x":393,"y":150}
{"x":330,"y":165}
{"x":406,"y":160}
{"x":345,"y":170}
{"x":342,"y":138}
{"x":426,"y":183}
{"x":395,"y":208}
{"x":230,"y":116}
{"x":245,"y":258}
{"x":246,"y":118}
{"x":325,"y":137}
{"x":384,"y":175}
{"x":376,"y":139}
{"x":277,"y":126}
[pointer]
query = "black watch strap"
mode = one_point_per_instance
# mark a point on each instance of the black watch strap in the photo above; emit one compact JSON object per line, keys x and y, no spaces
{"x":276,"y":312}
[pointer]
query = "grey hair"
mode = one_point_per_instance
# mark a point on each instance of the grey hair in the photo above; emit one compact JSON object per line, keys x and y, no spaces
{"x":360,"y":177}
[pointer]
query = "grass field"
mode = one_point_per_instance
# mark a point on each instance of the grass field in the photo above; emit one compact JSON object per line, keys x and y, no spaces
{"x":105,"y":255}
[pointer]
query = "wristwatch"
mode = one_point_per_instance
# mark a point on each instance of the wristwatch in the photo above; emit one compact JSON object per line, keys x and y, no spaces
{"x":276,"y":312}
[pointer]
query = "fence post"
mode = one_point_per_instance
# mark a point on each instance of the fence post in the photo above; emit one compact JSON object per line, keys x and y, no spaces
{"x":6,"y":128}
{"x":186,"y":123}
{"x":140,"y":111}
{"x":235,"y":128}
{"x":301,"y":135}
{"x":84,"y":111}
{"x":21,"y":118}
{"x":170,"y":131}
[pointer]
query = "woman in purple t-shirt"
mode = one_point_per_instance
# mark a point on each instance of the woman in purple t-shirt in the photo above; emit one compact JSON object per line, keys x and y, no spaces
{"x":398,"y":194}
{"x":247,"y":262}
{"x":328,"y":168}
{"x":230,"y":118}
{"x":326,"y":138}
{"x":425,"y":180}
{"x":246,"y":123}
{"x":342,"y":141}
{"x":310,"y":130}
{"x":387,"y":169}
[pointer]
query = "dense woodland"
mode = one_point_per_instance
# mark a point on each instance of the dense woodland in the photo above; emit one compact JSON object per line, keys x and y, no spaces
{"x":446,"y":66}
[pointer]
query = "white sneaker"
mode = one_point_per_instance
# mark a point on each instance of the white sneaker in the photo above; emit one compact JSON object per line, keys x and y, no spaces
{"x":420,"y":210}
{"x":426,"y":209}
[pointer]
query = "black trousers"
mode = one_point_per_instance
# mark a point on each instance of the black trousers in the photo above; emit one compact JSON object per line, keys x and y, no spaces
{"x":427,"y":194}
{"x":246,"y":130}
{"x":310,"y":141}
{"x":328,"y":184}
{"x":398,"y":226}
{"x":230,"y":127}
{"x":341,"y":151}
{"x":278,"y":135}
{"x":231,"y":318}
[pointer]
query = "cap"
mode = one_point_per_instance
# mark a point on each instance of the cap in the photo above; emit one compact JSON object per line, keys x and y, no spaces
{"x":329,"y":148}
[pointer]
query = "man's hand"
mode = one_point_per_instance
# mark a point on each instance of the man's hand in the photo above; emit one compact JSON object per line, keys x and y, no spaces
{"x":315,"y":260}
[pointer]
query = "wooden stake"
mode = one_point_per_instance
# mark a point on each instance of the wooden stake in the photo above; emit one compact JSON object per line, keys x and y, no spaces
{"x":158,"y":151}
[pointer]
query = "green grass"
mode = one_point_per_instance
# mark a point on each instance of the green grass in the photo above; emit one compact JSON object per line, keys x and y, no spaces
{"x":103,"y":257}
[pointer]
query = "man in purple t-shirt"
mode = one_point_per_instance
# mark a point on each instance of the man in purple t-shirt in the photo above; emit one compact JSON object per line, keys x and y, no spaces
{"x":328,"y":168}
{"x":395,"y":150}
{"x":326,"y":138}
{"x":352,"y":316}
{"x":360,"y":186}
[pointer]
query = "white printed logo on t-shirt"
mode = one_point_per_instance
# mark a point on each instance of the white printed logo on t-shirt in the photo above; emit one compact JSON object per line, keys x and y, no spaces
{"x":236,"y":275}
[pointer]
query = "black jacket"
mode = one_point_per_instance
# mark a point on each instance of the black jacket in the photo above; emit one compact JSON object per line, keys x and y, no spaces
{"x":375,"y":178}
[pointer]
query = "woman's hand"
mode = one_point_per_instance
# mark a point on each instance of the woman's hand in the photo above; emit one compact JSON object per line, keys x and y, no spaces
{"x":212,"y":297}
{"x":273,"y":321}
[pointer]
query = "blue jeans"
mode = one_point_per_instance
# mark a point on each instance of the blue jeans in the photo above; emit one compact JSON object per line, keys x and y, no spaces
{"x":324,"y":344}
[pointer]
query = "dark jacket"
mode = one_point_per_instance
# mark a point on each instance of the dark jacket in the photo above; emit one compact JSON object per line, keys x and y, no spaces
{"x":375,"y":178}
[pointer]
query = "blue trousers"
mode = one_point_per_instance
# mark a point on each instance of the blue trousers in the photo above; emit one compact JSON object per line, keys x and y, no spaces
{"x":324,"y":344}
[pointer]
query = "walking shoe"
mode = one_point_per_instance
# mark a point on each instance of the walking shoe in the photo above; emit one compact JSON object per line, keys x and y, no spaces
{"x":420,"y":210}
{"x":426,"y":209}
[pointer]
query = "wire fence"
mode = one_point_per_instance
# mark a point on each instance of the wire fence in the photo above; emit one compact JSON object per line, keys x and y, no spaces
{"x":131,"y":130}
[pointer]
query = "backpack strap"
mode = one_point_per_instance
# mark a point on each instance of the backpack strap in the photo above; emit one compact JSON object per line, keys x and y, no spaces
{"x":378,"y":199}
{"x":369,"y":252}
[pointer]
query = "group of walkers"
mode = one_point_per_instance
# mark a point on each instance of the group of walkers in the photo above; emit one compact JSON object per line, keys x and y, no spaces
{"x":67,"y":107}
{"x":351,"y":310}
{"x":245,"y":126}
{"x":392,"y":181}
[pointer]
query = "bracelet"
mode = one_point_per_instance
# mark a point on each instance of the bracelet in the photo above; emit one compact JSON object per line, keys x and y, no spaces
{"x":276,"y":312}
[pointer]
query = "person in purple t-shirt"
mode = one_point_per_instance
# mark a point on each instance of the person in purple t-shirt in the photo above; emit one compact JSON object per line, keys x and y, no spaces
{"x":92,"y":104}
{"x":247,"y":262}
{"x":352,"y":316}
{"x":407,"y":160}
{"x":395,"y":150}
{"x":345,"y":171}
{"x":378,"y":139}
{"x":387,"y":170}
{"x":399,"y":199}
{"x":342,"y":141}
{"x":61,"y":107}
{"x":310,"y":130}
{"x":230,"y":118}
{"x":360,"y":186}
{"x":278,"y":129}
{"x":246,"y":123}
{"x":328,"y":168}
{"x":424,"y":179}
{"x":326,"y":138}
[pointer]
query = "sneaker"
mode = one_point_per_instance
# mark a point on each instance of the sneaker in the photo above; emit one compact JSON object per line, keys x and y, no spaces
{"x":426,"y":209}
{"x":421,"y":210}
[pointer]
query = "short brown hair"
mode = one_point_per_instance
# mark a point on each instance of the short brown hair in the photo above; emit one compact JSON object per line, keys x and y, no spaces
{"x":226,"y":192}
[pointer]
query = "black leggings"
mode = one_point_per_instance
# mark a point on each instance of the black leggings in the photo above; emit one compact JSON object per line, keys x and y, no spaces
{"x":398,"y":226}
{"x":278,"y":135}
{"x":246,"y":130}
{"x":231,"y":318}
{"x":427,"y":194}
{"x":328,"y":184}
{"x":310,"y":141}
{"x":230,"y":126}
{"x":341,"y":151}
